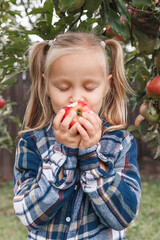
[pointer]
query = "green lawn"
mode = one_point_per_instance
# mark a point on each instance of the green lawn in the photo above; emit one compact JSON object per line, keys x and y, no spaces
{"x":146,"y":227}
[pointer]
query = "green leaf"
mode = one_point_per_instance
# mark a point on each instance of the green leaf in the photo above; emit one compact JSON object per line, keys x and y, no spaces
{"x":3,"y":139}
{"x":36,"y":11}
{"x":48,"y":6}
{"x":134,"y":130}
{"x":66,"y":4}
{"x":15,"y":120}
{"x":117,"y":26}
{"x":10,"y":80}
{"x":141,"y":3}
{"x":123,"y":11}
{"x":157,"y":153}
{"x":143,"y":127}
{"x":92,"y":5}
{"x":13,"y":13}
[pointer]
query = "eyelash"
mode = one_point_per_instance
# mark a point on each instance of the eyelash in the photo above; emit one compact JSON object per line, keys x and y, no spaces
{"x":63,"y":89}
{"x":87,"y":89}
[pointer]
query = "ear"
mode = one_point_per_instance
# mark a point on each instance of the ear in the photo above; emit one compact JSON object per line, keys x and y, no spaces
{"x":45,"y":82}
{"x":108,"y":83}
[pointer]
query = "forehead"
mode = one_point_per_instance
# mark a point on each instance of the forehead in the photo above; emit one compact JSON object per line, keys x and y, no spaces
{"x":77,"y":55}
{"x":78,"y":63}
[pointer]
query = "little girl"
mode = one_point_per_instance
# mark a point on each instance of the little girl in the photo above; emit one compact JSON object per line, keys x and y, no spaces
{"x":81,"y":182}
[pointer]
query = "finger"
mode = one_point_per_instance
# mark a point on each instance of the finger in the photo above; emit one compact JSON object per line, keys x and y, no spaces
{"x":87,"y":125}
{"x":58,"y":118}
{"x":73,"y":129}
{"x":94,"y":119}
{"x":83,"y":133}
{"x":98,"y":119}
{"x":67,"y":121}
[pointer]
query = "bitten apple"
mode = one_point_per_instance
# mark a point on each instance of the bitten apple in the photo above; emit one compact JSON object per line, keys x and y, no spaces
{"x":79,"y":108}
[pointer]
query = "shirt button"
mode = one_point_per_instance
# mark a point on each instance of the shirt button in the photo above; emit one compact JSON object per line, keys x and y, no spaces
{"x":68,"y":219}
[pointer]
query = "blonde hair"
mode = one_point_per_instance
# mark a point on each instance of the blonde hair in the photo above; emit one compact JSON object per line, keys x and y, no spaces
{"x":39,"y":110}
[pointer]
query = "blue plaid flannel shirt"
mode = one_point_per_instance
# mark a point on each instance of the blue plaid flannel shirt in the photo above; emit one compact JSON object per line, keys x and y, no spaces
{"x":88,"y":203}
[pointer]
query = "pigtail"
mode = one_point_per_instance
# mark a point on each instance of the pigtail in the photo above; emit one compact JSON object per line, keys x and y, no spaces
{"x":36,"y":114}
{"x":115,"y":110}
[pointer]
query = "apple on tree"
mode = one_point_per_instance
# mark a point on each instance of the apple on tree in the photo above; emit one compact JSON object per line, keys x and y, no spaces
{"x":2,"y":102}
{"x":149,"y":112}
{"x":138,"y":120}
{"x":153,"y":88}
{"x":79,"y":108}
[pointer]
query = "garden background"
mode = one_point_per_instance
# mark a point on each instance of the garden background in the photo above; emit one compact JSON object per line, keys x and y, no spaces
{"x":136,"y":24}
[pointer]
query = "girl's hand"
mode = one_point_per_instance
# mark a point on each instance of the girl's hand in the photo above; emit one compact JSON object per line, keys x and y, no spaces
{"x":90,"y":130}
{"x":64,"y":135}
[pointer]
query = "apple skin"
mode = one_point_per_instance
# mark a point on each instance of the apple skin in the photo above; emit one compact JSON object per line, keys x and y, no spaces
{"x":153,"y":88}
{"x":79,"y":108}
{"x":2,"y":102}
{"x":138,"y":120}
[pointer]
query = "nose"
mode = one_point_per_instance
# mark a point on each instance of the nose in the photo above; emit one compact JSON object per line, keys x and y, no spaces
{"x":76,"y":95}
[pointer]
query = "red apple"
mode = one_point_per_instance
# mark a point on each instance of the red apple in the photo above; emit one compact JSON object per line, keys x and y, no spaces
{"x":155,"y":2}
{"x":2,"y":102}
{"x":153,"y":88}
{"x":79,"y":108}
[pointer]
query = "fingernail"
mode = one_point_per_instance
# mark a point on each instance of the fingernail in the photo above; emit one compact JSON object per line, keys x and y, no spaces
{"x":84,"y":114}
{"x":73,"y":113}
{"x":62,"y":110}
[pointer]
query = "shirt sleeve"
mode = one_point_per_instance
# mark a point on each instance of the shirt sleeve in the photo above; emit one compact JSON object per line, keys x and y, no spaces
{"x":38,"y":192}
{"x":114,"y":193}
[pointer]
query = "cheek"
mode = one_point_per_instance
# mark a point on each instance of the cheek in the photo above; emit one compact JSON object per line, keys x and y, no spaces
{"x":96,"y":105}
{"x":58,"y":102}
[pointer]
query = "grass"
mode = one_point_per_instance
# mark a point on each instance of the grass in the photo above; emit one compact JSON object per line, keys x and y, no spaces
{"x":10,"y":226}
{"x":146,"y":227}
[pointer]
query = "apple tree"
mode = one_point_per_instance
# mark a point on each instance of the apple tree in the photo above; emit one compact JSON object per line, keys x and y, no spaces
{"x":12,"y":61}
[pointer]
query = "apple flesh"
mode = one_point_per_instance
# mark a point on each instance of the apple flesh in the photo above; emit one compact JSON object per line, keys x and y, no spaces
{"x":79,"y":108}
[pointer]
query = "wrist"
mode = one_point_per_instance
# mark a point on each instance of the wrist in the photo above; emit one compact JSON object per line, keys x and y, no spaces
{"x":88,"y":158}
{"x":70,"y":155}
{"x":68,"y":151}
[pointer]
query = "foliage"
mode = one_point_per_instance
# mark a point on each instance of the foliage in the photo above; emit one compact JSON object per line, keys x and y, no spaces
{"x":12,"y":61}
{"x":134,"y":22}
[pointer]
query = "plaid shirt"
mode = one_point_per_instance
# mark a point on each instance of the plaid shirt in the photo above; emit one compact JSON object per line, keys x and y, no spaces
{"x":88,"y":203}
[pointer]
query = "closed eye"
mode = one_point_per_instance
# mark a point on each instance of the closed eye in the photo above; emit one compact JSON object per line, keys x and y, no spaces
{"x":63,"y":89}
{"x":90,"y":87}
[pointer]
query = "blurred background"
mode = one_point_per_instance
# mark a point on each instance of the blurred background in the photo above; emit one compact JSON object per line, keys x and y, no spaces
{"x":136,"y":24}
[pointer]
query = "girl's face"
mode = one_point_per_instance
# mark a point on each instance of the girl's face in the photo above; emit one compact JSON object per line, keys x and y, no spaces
{"x":75,"y":77}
